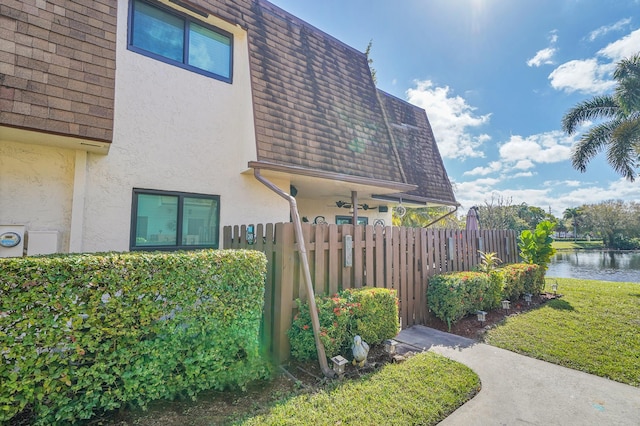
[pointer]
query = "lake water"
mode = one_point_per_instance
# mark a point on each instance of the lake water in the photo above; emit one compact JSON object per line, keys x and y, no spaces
{"x":596,"y":265}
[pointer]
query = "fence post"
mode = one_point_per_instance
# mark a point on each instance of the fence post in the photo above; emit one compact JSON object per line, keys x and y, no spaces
{"x":284,"y":258}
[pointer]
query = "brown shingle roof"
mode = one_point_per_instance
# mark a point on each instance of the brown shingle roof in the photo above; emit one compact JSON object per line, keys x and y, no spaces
{"x":419,"y":155}
{"x":315,"y":100}
{"x":317,"y":108}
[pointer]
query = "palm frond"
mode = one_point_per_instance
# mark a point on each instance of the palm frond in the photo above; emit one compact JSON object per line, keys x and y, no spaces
{"x":627,"y":93}
{"x":591,"y":143}
{"x":623,"y":151}
{"x":627,"y":68}
{"x":598,"y":107}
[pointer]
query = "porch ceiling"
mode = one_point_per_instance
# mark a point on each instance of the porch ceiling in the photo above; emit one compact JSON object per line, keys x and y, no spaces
{"x":317,"y":185}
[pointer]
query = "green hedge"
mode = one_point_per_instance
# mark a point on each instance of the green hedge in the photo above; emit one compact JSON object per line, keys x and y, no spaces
{"x":521,"y":278}
{"x":370,"y":312}
{"x":453,"y":296}
{"x":81,"y":334}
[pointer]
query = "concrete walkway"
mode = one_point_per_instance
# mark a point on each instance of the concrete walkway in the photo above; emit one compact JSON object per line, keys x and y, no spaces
{"x":518,"y":390}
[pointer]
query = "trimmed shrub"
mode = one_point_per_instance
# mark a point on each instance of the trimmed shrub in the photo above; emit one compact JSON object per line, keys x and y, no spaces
{"x":94,"y":332}
{"x":521,"y":278}
{"x":370,"y":312}
{"x":376,"y":314}
{"x":453,"y":296}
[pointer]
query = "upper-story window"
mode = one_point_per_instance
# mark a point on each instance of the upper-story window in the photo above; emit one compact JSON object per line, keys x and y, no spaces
{"x":181,"y":40}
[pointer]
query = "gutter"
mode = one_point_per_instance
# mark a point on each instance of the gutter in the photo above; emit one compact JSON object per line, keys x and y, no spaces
{"x":315,"y":322}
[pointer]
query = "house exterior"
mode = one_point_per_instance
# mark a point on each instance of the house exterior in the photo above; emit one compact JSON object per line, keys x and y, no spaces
{"x":138,"y":124}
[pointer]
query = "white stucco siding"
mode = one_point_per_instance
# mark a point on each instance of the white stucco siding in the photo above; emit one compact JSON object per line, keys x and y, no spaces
{"x":176,"y":130}
{"x":36,"y":187}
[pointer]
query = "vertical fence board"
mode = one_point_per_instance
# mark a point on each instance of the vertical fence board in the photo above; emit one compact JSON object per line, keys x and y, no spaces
{"x":358,"y":257}
{"x":347,"y":271}
{"x":404,"y":295}
{"x":320,"y":250}
{"x":388,"y":257}
{"x":334,"y":259}
{"x":379,"y":256}
{"x":369,"y":279}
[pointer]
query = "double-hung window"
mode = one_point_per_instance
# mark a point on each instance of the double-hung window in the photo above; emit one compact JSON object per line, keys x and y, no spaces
{"x":163,"y":220}
{"x":181,"y":40}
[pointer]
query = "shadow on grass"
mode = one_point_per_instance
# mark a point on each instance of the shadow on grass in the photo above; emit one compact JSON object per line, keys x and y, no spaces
{"x":634,"y":294}
{"x":561,"y":305}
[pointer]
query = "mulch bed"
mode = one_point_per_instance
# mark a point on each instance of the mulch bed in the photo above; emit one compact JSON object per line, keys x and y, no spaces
{"x":470,"y":327}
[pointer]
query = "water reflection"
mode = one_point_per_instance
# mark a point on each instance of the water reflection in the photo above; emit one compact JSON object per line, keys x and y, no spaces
{"x":596,"y":265}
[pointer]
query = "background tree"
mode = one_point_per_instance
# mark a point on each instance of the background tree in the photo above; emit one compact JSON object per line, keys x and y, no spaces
{"x":573,"y":214}
{"x":500,"y":213}
{"x":423,"y":216}
{"x":614,"y":221}
{"x":619,"y":133}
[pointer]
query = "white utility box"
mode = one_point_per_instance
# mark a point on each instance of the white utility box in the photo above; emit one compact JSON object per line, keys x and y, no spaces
{"x":42,"y":242}
{"x":11,"y":240}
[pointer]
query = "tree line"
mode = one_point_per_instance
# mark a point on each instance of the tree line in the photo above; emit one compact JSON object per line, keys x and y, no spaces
{"x":615,"y":222}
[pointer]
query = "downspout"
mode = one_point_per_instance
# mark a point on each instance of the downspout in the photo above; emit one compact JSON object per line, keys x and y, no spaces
{"x":315,"y":322}
{"x":442,"y":217}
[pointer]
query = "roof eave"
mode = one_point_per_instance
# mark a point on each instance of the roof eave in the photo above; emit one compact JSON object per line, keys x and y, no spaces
{"x":321,"y":174}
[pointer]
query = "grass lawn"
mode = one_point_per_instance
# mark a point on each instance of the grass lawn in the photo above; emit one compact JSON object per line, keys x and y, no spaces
{"x":594,"y":327}
{"x":422,"y":390}
{"x":577,"y":245}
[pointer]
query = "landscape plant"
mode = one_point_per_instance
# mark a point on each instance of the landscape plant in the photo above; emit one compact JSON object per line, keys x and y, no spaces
{"x":521,"y":278}
{"x":371,"y":313}
{"x":536,"y":247}
{"x":453,"y":296}
{"x":80,"y":334}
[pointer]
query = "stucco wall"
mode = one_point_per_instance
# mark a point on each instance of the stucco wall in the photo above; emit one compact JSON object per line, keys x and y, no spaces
{"x":36,"y":187}
{"x":176,"y":130}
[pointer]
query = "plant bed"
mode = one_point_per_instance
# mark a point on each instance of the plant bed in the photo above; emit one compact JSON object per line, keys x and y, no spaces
{"x":471,"y":328}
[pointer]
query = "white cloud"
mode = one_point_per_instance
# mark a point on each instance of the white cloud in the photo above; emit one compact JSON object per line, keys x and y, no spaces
{"x":605,"y":29}
{"x":590,"y":76}
{"x":523,"y":174}
{"x":542,"y":57}
{"x":622,"y":48}
{"x":559,"y":195}
{"x":586,"y":76}
{"x":545,"y":56}
{"x":549,"y":147}
{"x":524,"y":165}
{"x":492,"y":167}
{"x":452,"y":120}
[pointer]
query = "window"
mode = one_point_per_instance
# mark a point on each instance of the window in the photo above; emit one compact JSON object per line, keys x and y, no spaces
{"x":344,"y":220}
{"x":174,"y":220}
{"x":180,"y":40}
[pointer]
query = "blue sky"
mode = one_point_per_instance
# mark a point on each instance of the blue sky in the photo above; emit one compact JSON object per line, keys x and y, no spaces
{"x":496,"y":77}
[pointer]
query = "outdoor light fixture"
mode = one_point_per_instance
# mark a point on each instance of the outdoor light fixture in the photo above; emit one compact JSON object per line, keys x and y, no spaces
{"x":506,"y":305}
{"x":554,"y":287}
{"x":338,"y":364}
{"x":482,"y":316}
{"x":390,"y":346}
{"x":527,"y":298}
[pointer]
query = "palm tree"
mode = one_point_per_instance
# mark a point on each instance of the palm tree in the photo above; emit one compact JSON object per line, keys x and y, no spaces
{"x":620,"y":132}
{"x":573,"y":214}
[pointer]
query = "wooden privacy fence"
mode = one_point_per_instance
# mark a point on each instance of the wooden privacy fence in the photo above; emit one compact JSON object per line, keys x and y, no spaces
{"x":347,"y":256}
